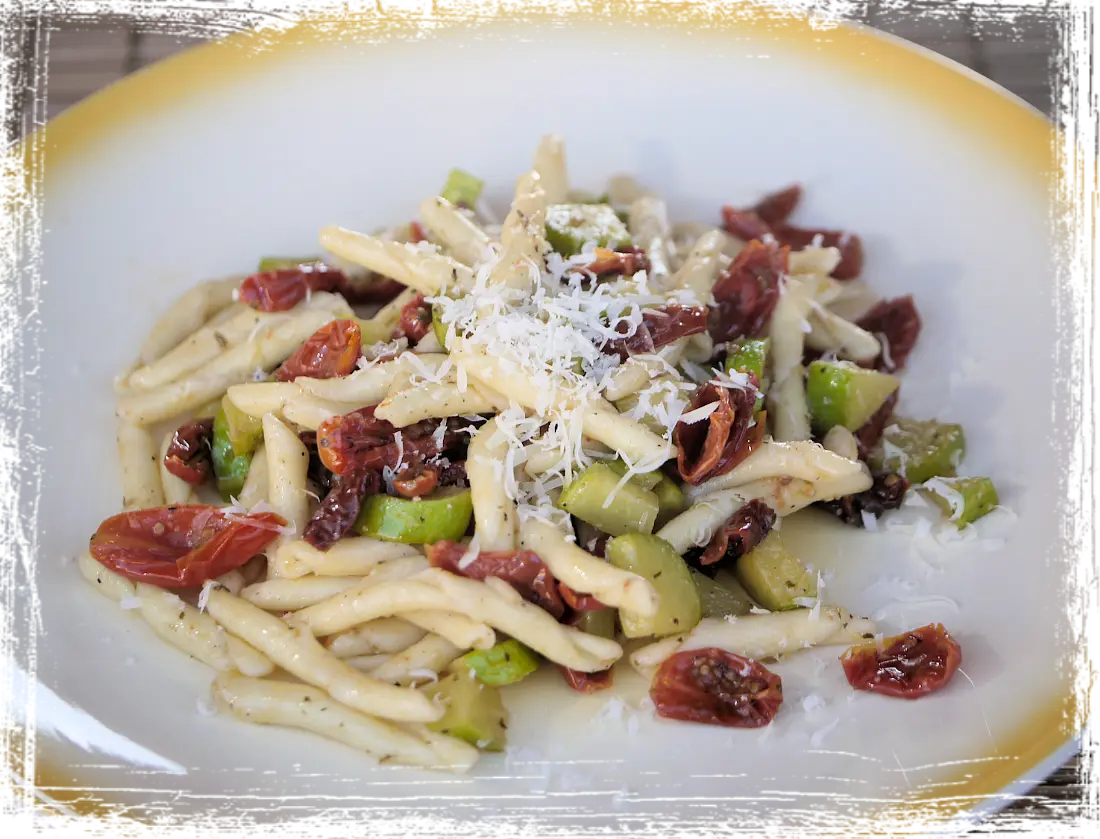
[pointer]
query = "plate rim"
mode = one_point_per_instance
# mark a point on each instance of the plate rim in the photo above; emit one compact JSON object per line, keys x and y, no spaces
{"x":1007,"y":123}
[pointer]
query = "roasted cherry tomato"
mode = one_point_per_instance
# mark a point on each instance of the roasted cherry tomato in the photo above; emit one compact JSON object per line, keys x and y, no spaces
{"x":908,"y":665}
{"x":715,"y":445}
{"x":181,"y":546}
{"x":285,"y":288}
{"x":716,"y":687}
{"x":588,"y":682}
{"x":746,"y":293}
{"x":898,"y":324}
{"x":333,"y":350}
{"x":416,"y":319}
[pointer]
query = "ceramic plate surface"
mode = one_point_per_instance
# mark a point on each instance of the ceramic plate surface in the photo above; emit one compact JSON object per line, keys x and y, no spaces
{"x":195,"y":168}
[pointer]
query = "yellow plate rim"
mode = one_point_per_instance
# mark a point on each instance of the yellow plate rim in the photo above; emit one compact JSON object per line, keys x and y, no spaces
{"x":1008,"y":124}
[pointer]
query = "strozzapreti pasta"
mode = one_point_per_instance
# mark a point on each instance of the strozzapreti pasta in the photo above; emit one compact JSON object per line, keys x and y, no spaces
{"x":372,"y":489}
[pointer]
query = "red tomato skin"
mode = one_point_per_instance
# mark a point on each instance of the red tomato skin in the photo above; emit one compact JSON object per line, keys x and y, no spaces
{"x":277,"y":291}
{"x":332,"y":351}
{"x":906,"y":666}
{"x":588,"y":682}
{"x":181,"y":546}
{"x":716,"y":687}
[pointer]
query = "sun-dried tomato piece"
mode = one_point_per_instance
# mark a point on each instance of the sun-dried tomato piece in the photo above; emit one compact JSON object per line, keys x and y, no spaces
{"x":285,"y":288}
{"x":713,"y":446}
{"x":360,"y":439}
{"x":627,"y":261}
{"x":416,"y":480}
{"x":588,"y":682}
{"x":886,"y":493}
{"x":454,"y":474}
{"x":745,"y":224}
{"x":769,"y":217}
{"x":746,"y":293}
{"x":181,"y":546}
{"x":868,"y":434}
{"x":744,"y":530}
{"x":580,"y":602}
{"x":340,"y":508}
{"x":776,"y":207}
{"x":716,"y":687}
{"x":849,"y":245}
{"x":331,"y":351}
{"x":896,"y":323}
{"x":188,"y":455}
{"x":416,"y":319}
{"x":522,"y":570}
{"x":908,"y":666}
{"x":659,"y":327}
{"x":317,"y":471}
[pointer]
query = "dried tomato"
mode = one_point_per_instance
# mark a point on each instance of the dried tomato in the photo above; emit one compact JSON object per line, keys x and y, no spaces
{"x":340,"y":507}
{"x":522,"y":570}
{"x":416,"y":319}
{"x":887,"y":492}
{"x":713,"y":446}
{"x":716,"y":687}
{"x":744,"y":530}
{"x":580,"y":602}
{"x":897,"y":324}
{"x":746,"y":293}
{"x":188,"y":455}
{"x":416,"y":480}
{"x":868,"y":434}
{"x":454,"y":474}
{"x":627,"y":261}
{"x":181,"y":546}
{"x":660,"y":326}
{"x":285,"y":288}
{"x":317,"y":471}
{"x":849,"y":245}
{"x":776,"y":207}
{"x":907,"y":666}
{"x":745,"y":224}
{"x":360,"y":439}
{"x":769,"y":217}
{"x":588,"y":682}
{"x":333,"y":350}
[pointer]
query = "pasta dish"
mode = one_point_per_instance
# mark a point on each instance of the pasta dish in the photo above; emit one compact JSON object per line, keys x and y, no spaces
{"x":375,"y":487}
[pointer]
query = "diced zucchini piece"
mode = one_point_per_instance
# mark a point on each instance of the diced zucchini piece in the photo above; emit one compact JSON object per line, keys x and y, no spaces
{"x":507,"y":662}
{"x":963,"y":500}
{"x":569,"y":227}
{"x":670,"y":499}
{"x":230,"y":469}
{"x":631,"y":510}
{"x":749,"y":355}
{"x":919,"y":449}
{"x":474,"y":711}
{"x":245,"y":431}
{"x":773,"y":576}
{"x":276,"y":263}
{"x":462,"y":189}
{"x":598,"y":622}
{"x":718,"y":601}
{"x":656,"y":560}
{"x":646,"y":480}
{"x":374,"y":331}
{"x":728,"y":581}
{"x":445,"y":514}
{"x":842,"y":393}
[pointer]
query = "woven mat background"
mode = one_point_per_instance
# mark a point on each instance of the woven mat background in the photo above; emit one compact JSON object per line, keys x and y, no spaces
{"x":53,"y":53}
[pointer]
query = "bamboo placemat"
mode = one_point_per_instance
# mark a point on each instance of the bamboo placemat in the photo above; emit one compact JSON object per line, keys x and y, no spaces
{"x":55,"y":52}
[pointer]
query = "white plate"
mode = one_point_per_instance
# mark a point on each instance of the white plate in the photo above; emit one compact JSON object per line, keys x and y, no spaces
{"x":196,"y":167}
